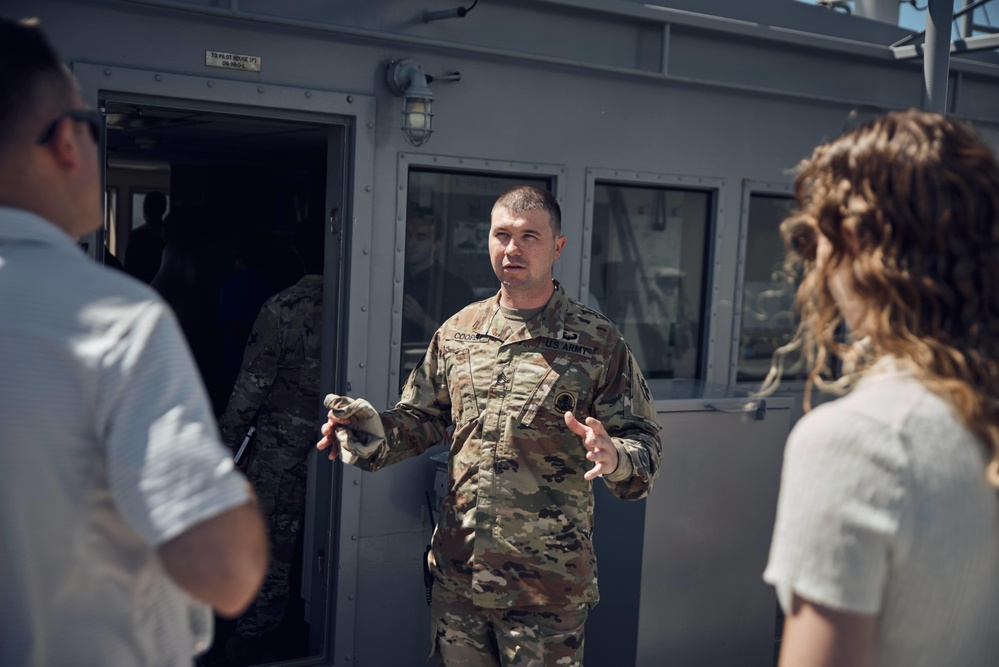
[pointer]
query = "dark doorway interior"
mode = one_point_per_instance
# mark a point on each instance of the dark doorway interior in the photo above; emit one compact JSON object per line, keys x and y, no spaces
{"x":204,"y":207}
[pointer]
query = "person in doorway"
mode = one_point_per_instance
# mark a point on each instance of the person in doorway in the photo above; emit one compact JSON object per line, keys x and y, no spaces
{"x":146,"y":242}
{"x":240,"y":299}
{"x":886,"y":545}
{"x":545,"y":397}
{"x":431,"y":292}
{"x":122,"y":518}
{"x":278,"y":386}
{"x":184,"y":280}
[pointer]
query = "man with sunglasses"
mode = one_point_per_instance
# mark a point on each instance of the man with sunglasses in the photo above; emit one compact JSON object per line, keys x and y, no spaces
{"x":122,"y":520}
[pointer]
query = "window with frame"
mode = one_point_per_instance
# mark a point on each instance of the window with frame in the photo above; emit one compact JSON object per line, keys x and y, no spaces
{"x":768,"y":320}
{"x":648,"y":252}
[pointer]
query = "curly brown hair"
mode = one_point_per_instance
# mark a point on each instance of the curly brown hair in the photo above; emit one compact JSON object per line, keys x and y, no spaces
{"x":910,"y":203}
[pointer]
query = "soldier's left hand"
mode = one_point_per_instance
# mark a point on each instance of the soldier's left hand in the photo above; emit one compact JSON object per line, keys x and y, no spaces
{"x":599,"y":447}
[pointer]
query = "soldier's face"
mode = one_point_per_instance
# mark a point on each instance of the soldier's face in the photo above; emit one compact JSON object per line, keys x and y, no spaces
{"x":522,"y":248}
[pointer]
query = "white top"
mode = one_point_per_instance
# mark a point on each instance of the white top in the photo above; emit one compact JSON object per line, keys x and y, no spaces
{"x":884,"y":509}
{"x":109,"y":449}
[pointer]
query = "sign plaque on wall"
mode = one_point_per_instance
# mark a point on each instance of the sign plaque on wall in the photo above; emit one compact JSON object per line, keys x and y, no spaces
{"x":232,"y":61}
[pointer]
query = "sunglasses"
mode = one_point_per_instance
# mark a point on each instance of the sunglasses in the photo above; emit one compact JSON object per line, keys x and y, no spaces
{"x":89,"y":116}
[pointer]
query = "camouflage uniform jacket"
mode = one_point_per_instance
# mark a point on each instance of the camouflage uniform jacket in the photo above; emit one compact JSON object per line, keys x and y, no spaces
{"x":516,"y":525}
{"x":280,"y":378}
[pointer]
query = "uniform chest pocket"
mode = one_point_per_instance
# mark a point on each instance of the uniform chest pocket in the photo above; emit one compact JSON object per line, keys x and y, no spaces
{"x":548,"y":377}
{"x":461,"y":383}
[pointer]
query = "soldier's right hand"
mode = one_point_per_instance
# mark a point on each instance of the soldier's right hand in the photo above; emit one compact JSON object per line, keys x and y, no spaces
{"x":329,"y":438}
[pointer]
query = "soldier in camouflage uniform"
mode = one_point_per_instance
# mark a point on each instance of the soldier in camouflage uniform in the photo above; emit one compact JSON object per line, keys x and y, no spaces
{"x":513,"y":553}
{"x":278,"y":383}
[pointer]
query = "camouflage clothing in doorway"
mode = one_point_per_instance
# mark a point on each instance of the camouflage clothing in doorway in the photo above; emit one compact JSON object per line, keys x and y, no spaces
{"x":279,"y":383}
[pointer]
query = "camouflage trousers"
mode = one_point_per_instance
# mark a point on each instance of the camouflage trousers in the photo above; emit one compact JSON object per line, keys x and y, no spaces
{"x":465,"y":635}
{"x":281,"y":496}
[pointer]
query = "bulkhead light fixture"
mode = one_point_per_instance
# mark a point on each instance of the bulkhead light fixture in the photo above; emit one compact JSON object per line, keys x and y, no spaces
{"x":406,"y":78}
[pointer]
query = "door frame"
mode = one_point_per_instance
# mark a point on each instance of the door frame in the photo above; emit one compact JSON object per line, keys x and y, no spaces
{"x":348,"y":244}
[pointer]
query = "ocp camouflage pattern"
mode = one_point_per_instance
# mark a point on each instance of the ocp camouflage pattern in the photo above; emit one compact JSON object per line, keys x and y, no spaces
{"x":280,"y":378}
{"x":516,"y":525}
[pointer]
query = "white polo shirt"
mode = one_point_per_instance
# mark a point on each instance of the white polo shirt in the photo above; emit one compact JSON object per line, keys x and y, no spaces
{"x":108,"y":448}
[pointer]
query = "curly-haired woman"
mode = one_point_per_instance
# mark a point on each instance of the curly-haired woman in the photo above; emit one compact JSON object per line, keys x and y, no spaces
{"x":886,"y":545}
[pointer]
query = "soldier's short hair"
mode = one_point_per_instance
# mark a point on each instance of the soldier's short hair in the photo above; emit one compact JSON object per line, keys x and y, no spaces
{"x":530,"y":198}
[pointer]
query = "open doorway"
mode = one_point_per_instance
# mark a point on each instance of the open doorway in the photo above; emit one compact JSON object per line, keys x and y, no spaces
{"x":211,"y":209}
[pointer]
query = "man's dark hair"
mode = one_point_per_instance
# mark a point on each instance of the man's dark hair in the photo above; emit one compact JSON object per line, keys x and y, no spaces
{"x":154,"y":205}
{"x":31,"y":72}
{"x":427,"y":214}
{"x":529,"y":198}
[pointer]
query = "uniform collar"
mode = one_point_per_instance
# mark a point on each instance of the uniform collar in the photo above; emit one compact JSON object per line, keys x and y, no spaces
{"x":550,"y":324}
{"x":20,"y":226}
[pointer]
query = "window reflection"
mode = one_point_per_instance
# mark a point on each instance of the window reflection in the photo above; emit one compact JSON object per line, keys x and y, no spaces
{"x":647,"y":272}
{"x":447,"y":252}
{"x":768,"y":318}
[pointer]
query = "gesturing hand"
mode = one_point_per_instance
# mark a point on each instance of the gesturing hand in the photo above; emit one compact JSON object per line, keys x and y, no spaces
{"x":329,"y":438}
{"x":599,"y":447}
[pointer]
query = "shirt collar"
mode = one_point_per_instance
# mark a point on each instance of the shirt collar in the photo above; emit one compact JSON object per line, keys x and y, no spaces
{"x":550,"y":324}
{"x":20,"y":226}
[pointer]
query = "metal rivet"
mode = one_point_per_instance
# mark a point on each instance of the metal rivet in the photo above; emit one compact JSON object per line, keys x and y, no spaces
{"x":357,"y":482}
{"x":354,"y":536}
{"x":367,"y":188}
{"x":350,"y":99}
{"x":211,"y":84}
{"x":350,"y":597}
{"x":158,"y":77}
{"x":107,"y":71}
{"x":364,"y":309}
{"x":308,"y":94}
{"x":371,"y":124}
{"x":260,"y":89}
{"x":364,"y":251}
{"x":360,"y":365}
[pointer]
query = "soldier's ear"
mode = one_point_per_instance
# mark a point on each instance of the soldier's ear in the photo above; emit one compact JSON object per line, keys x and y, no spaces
{"x":559,"y":244}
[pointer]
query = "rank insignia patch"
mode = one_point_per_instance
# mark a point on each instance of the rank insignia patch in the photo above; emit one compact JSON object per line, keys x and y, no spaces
{"x":565,"y":402}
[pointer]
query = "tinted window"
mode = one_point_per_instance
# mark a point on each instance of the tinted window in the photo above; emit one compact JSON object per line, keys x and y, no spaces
{"x":648,"y":252}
